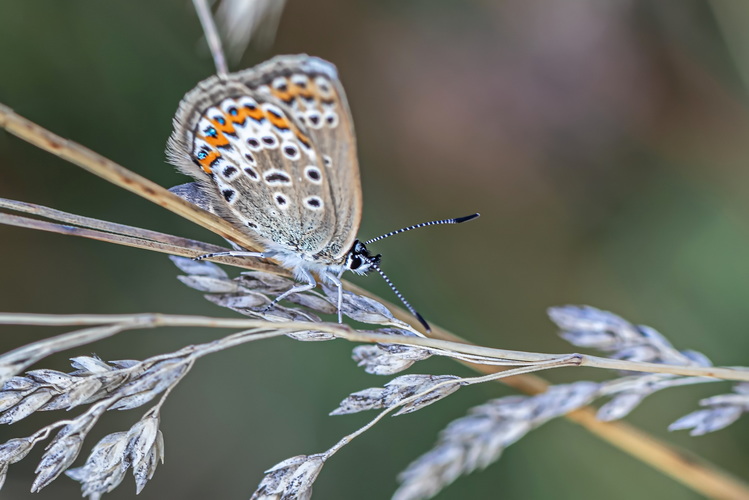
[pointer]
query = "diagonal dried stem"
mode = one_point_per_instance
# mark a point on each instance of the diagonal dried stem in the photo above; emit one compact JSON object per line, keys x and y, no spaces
{"x":119,"y":175}
{"x":16,"y":220}
{"x":86,"y":227}
{"x":101,"y":225}
{"x":698,"y":475}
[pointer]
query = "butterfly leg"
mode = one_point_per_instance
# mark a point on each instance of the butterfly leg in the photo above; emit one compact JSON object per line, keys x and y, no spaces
{"x":229,"y":254}
{"x":336,"y":280}
{"x":311,"y":283}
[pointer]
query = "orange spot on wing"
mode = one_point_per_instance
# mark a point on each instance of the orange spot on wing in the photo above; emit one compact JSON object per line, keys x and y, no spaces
{"x":277,"y":121}
{"x":304,"y":92}
{"x":298,"y":90}
{"x":218,"y":141}
{"x":239,"y":118}
{"x":255,"y":113}
{"x":285,"y":96}
{"x":227,"y":127}
{"x":205,"y":163}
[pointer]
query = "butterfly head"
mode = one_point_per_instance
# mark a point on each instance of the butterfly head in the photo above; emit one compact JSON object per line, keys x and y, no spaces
{"x":360,"y":260}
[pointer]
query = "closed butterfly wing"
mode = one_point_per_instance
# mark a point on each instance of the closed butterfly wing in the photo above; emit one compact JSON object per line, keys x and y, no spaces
{"x":273,"y":147}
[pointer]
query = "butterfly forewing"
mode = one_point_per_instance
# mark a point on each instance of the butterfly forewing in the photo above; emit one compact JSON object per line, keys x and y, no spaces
{"x":274,"y":147}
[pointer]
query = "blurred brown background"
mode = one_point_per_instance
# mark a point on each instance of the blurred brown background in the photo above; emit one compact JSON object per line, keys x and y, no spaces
{"x":604,"y":143}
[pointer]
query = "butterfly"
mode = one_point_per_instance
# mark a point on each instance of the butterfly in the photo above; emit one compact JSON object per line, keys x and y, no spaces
{"x":272,"y":149}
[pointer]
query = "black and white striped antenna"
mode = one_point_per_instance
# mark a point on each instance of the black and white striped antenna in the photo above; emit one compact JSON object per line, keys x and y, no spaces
{"x":401,"y":297}
{"x":397,"y":293}
{"x":456,"y":220}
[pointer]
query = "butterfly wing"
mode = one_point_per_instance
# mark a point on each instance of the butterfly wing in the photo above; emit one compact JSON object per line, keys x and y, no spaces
{"x":310,"y":87}
{"x":274,"y":147}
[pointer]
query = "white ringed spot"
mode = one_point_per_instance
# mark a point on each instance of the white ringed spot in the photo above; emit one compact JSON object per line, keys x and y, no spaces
{"x":281,"y":200}
{"x":313,"y":174}
{"x":313,"y":203}
{"x":277,"y":177}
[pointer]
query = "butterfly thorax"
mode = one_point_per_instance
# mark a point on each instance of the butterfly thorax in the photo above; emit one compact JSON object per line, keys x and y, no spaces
{"x":358,"y":260}
{"x":300,"y":262}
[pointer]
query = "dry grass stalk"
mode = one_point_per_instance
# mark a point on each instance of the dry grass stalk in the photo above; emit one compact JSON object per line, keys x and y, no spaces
{"x":116,"y":174}
{"x":241,"y":21}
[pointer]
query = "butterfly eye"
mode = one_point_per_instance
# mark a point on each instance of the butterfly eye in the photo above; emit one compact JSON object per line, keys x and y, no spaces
{"x":355,"y":262}
{"x":201,"y":155}
{"x":233,"y":111}
{"x":210,"y":132}
{"x":220,"y":120}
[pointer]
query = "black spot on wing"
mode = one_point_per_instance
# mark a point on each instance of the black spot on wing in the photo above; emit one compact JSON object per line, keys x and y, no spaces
{"x":228,"y":194}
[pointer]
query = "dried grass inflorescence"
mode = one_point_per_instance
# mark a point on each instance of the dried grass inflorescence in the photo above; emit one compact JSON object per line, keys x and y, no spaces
{"x":467,"y":444}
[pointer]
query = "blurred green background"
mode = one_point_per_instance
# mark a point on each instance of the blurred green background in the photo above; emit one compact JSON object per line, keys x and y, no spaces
{"x":604,"y":143}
